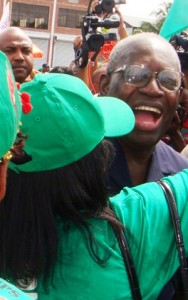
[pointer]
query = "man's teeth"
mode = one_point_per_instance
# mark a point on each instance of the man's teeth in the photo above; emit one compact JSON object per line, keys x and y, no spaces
{"x":146,"y":108}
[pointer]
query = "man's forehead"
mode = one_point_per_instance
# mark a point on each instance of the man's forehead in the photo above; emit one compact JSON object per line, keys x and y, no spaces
{"x":14,"y":36}
{"x":153,"y":48}
{"x":21,"y":43}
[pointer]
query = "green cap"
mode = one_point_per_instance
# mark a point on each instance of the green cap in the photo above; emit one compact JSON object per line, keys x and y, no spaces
{"x":67,"y":121}
{"x":10,"y":108}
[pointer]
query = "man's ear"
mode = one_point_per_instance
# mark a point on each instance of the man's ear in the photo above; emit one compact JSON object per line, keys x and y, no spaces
{"x":104,"y":84}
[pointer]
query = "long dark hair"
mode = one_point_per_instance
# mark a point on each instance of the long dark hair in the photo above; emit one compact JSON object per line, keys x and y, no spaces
{"x":33,"y":201}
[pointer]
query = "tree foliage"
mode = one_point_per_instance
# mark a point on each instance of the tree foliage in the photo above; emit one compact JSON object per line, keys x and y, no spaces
{"x":159,"y":16}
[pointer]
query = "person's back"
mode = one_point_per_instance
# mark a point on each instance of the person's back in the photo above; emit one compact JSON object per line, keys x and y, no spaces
{"x":77,"y":272}
{"x":19,"y":49}
{"x":144,"y":71}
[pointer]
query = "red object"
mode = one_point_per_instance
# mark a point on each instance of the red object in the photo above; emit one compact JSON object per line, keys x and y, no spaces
{"x":107,"y":48}
{"x":26,"y":105}
{"x":37,"y":53}
{"x":26,"y":100}
{"x":185,"y":124}
{"x":18,"y":85}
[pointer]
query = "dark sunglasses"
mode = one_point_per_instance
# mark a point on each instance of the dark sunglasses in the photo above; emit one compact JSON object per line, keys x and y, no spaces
{"x":140,"y":75}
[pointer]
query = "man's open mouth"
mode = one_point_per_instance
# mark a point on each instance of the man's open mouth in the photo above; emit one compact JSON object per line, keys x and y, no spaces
{"x":147,"y":117}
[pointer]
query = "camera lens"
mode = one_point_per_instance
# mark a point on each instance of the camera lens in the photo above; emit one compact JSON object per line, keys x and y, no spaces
{"x":95,"y":42}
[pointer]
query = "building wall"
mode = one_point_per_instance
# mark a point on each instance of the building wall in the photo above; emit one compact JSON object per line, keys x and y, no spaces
{"x":58,"y":51}
{"x":62,"y":51}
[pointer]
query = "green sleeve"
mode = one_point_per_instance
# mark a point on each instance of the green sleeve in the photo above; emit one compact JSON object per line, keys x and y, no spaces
{"x":144,"y":212}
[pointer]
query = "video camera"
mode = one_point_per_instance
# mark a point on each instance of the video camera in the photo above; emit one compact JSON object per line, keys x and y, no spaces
{"x":93,"y":40}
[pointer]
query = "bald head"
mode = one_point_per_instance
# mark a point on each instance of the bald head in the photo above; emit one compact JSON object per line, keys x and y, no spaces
{"x":18,"y":48}
{"x":13,"y":33}
{"x":130,"y":48}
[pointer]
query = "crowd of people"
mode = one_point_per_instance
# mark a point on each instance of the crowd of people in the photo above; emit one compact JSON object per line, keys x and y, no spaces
{"x":83,"y":167}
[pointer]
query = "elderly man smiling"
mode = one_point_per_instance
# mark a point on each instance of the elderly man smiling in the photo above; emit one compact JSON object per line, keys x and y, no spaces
{"x":144,"y":71}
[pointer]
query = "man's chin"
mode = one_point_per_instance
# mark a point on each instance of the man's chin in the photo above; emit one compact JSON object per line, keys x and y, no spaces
{"x":20,"y":79}
{"x":20,"y":76}
{"x":141,"y":140}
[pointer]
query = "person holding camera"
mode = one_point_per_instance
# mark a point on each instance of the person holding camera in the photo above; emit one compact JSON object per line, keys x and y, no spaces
{"x":88,"y":47}
{"x":104,"y":9}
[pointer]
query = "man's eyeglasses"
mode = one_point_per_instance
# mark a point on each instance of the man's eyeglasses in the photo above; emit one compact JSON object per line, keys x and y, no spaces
{"x":140,"y":75}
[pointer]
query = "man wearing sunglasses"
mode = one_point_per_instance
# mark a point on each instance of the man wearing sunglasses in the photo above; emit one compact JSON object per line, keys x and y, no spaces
{"x":144,"y":71}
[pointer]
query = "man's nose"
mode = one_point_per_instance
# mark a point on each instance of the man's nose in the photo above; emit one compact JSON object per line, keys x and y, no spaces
{"x":19,"y":55}
{"x":152,"y":87}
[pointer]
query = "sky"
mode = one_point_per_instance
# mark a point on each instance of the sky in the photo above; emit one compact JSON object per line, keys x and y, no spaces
{"x":141,"y":8}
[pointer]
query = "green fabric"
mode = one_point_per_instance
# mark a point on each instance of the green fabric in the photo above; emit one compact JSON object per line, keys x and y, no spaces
{"x":145,"y":213}
{"x":67,"y":121}
{"x":10,"y":106}
{"x":176,"y":19}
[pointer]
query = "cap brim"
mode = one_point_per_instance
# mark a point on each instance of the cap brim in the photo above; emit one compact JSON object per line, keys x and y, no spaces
{"x":118,"y":116}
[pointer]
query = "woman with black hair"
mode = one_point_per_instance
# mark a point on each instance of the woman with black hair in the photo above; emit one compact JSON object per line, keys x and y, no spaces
{"x":58,"y":236}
